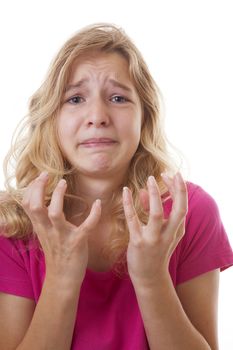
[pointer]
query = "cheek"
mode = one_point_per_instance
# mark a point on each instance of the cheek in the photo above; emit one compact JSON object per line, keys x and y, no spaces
{"x":67,"y":126}
{"x":131,"y":129}
{"x":65,"y":129}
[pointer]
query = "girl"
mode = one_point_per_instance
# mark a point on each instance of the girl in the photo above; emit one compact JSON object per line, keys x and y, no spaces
{"x":100,"y":249}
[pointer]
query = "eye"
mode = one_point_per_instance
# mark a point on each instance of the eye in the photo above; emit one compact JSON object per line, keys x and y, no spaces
{"x":75,"y":100}
{"x":119,"y":99}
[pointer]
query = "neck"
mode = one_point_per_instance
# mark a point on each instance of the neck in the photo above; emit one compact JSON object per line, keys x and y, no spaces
{"x":90,"y":189}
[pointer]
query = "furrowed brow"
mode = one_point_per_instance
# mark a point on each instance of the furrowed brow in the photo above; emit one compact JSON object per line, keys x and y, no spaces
{"x":76,"y":85}
{"x":118,"y":84}
{"x":84,"y":81}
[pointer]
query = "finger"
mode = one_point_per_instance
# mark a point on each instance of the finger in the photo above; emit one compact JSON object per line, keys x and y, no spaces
{"x":92,"y":219}
{"x":169,"y":183}
{"x":132,"y":220}
{"x":144,"y":199}
{"x":35,"y":205}
{"x":181,"y":230}
{"x":156,"y":208}
{"x":55,"y":209}
{"x":179,"y":205}
{"x":177,"y":237}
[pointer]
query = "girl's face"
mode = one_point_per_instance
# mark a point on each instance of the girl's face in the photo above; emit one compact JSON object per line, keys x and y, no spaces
{"x":99,"y":123}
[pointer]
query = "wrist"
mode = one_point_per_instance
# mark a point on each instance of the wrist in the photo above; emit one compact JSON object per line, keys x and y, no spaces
{"x":159,"y":282}
{"x":62,"y":285}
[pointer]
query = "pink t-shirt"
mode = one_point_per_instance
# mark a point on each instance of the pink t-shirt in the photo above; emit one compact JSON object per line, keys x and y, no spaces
{"x":108,"y":317}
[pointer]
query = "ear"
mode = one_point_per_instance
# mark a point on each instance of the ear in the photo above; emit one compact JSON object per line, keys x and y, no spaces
{"x":144,"y":199}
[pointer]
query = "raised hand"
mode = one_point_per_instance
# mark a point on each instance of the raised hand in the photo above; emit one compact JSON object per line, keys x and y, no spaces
{"x":151,"y":246}
{"x":65,"y":245}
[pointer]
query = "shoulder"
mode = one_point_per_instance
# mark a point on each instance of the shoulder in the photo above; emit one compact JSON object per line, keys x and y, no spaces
{"x":17,"y":248}
{"x":21,"y":266}
{"x":199,"y":199}
{"x":205,"y":245}
{"x":203,"y":218}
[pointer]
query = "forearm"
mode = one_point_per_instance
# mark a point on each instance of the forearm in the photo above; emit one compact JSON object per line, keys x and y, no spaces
{"x":166,"y":324}
{"x":53,"y":321}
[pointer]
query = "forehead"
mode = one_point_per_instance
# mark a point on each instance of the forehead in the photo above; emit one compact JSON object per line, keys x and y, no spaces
{"x":99,"y":65}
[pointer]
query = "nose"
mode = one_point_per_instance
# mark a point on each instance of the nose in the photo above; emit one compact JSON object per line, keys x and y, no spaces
{"x":98,"y":114}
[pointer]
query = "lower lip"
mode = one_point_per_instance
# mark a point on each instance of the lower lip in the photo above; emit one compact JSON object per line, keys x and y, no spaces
{"x":97,"y":144}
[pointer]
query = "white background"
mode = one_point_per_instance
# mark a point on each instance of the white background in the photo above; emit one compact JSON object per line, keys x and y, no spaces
{"x":188,"y":47}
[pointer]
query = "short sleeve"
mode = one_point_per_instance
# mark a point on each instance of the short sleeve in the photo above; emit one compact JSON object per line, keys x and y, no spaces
{"x":14,"y":276}
{"x":205,"y":245}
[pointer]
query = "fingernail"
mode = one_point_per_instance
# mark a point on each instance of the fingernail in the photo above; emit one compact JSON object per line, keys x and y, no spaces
{"x":98,"y":203}
{"x":178,"y":177}
{"x":62,"y":183}
{"x":125,"y":191}
{"x":43,"y":175}
{"x":165,"y":176}
{"x":151,"y":180}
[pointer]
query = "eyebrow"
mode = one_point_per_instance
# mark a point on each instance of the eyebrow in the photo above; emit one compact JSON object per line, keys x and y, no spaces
{"x":84,"y":81}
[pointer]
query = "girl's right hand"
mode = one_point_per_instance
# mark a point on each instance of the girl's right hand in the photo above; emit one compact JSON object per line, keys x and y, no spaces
{"x":65,"y":245}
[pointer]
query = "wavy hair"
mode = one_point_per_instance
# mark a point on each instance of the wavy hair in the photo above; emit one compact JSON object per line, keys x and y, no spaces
{"x":35,"y":145}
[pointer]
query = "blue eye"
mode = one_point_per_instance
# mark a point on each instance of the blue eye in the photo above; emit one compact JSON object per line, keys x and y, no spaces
{"x":119,"y":99}
{"x":75,"y":100}
{"x":78,"y":99}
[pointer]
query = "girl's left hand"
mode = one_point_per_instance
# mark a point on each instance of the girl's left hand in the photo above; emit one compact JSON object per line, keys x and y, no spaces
{"x":151,"y":246}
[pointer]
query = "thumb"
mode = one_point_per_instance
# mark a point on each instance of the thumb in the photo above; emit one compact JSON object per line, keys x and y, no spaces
{"x":93,"y":218}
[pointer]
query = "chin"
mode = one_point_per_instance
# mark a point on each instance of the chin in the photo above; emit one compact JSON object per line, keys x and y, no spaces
{"x":102,"y":165}
{"x":99,"y":163}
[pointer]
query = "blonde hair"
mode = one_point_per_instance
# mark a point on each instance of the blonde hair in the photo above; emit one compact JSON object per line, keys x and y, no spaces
{"x":35,"y":148}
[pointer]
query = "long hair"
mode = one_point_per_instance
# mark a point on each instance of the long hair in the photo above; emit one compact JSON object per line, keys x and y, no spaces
{"x":35,"y":145}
